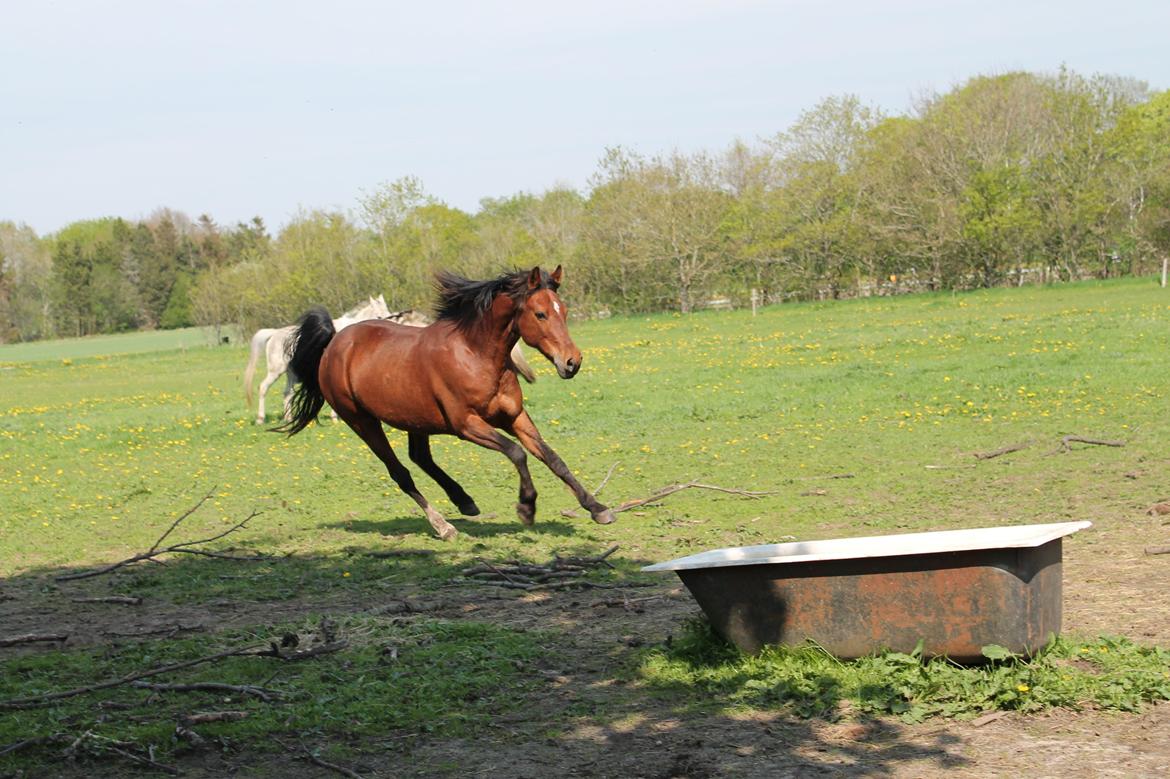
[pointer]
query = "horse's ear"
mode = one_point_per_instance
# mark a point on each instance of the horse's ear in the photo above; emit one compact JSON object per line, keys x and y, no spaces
{"x":534,"y":279}
{"x":555,"y":277}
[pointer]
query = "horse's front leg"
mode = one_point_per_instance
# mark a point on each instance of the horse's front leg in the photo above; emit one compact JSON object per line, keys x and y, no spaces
{"x":529,"y":436}
{"x":479,"y":431}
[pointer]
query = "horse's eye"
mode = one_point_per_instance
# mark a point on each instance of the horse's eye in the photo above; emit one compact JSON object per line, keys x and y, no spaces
{"x":541,"y":315}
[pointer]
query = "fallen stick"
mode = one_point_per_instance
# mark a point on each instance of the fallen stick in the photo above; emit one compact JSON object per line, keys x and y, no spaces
{"x":1157,"y":550}
{"x":605,"y":481}
{"x":16,"y":746}
{"x":128,"y":600}
{"x":292,"y":655}
{"x":183,"y":547}
{"x":988,"y":718}
{"x":95,"y":744}
{"x":1001,"y":451}
{"x":240,"y":689}
{"x":673,"y":488}
{"x":583,"y":562}
{"x":497,"y":570}
{"x":170,"y":630}
{"x":818,"y":478}
{"x":625,"y":602}
{"x":304,"y":753}
{"x":1071,"y":439}
{"x":670,"y":489}
{"x":34,"y":701}
{"x":32,"y":638}
{"x":203,"y":717}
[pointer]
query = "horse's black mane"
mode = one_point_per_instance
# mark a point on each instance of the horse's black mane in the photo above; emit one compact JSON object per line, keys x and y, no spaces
{"x":464,"y":301}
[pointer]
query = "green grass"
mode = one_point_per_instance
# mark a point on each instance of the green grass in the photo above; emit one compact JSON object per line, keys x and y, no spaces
{"x":97,"y":456}
{"x":705,"y":672}
{"x":395,"y":680}
{"x":98,"y":345}
{"x":101,"y":450}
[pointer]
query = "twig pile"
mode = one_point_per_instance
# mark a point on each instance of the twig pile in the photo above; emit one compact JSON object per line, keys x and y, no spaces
{"x":558,"y":573}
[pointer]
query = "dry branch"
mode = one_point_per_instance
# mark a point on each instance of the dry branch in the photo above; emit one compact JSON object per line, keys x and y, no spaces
{"x":203,"y":717}
{"x":818,"y":478}
{"x":304,"y":753}
{"x":292,"y":654}
{"x":605,"y":481}
{"x":34,"y":701}
{"x":219,"y":687}
{"x":184,"y":547}
{"x":95,"y":745}
{"x":670,"y":489}
{"x":32,"y":638}
{"x":128,"y":600}
{"x":169,"y":630}
{"x":557,"y":573}
{"x":1001,"y":451}
{"x":1157,"y":550}
{"x":1071,"y":439}
{"x":673,"y":488}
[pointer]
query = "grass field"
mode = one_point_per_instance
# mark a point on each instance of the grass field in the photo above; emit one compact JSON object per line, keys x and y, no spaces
{"x":105,"y":443}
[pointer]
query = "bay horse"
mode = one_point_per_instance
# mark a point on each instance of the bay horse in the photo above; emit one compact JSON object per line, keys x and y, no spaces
{"x":452,"y":377}
{"x":276,"y":343}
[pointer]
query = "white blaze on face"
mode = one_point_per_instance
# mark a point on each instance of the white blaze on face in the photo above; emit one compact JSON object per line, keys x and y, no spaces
{"x":556,"y":307}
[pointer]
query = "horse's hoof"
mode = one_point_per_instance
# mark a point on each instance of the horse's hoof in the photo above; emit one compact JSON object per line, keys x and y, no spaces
{"x":603,"y":517}
{"x":468,"y":509}
{"x":527,"y":513}
{"x":448,"y":533}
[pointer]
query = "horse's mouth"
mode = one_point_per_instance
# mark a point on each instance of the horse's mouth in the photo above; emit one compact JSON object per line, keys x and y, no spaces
{"x":567,"y":369}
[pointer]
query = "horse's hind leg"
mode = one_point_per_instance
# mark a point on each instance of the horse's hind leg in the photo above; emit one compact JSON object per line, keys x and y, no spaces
{"x":420,"y":454}
{"x":370,"y":431}
{"x":264,"y":386}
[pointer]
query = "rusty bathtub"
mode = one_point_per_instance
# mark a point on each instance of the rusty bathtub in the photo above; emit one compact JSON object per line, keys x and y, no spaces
{"x":954,"y":590}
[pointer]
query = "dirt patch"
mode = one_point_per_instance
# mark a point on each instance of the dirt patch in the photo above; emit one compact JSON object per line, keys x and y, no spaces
{"x":588,"y":723}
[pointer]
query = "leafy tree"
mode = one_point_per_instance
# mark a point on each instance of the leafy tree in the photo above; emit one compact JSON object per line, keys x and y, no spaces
{"x":672,"y":211}
{"x":26,"y":277}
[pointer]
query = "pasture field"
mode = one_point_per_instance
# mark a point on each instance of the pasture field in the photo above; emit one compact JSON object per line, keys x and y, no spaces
{"x":857,"y":417}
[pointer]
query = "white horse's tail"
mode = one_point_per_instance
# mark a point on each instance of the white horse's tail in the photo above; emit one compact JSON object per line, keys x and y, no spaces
{"x":258,"y":342}
{"x":521,"y":365}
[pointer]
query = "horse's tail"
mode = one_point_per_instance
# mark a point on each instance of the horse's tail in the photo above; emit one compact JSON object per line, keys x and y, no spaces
{"x":259,"y":339}
{"x":521,"y":365}
{"x":314,"y":332}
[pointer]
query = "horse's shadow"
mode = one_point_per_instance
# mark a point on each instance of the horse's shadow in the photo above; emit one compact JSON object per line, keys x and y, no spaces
{"x":411,"y":525}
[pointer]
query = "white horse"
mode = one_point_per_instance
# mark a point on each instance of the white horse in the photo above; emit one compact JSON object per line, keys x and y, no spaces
{"x":277,"y":342}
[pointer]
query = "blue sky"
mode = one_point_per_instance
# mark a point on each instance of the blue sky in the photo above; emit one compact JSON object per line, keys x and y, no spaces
{"x":245,"y":108}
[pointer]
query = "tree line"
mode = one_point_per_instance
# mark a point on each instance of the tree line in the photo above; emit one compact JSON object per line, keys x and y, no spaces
{"x":1007,"y":179}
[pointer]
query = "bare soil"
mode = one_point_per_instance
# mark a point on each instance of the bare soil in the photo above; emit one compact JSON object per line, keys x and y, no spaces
{"x":1110,"y":587}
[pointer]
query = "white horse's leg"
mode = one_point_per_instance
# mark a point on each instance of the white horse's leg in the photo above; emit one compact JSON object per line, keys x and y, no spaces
{"x":288,"y":395}
{"x":264,"y":387}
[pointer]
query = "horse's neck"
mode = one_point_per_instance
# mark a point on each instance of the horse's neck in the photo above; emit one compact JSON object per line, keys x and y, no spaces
{"x":495,"y":334}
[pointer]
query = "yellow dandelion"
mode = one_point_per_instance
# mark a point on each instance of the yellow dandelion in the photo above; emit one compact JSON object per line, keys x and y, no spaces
{"x":1023,"y":687}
